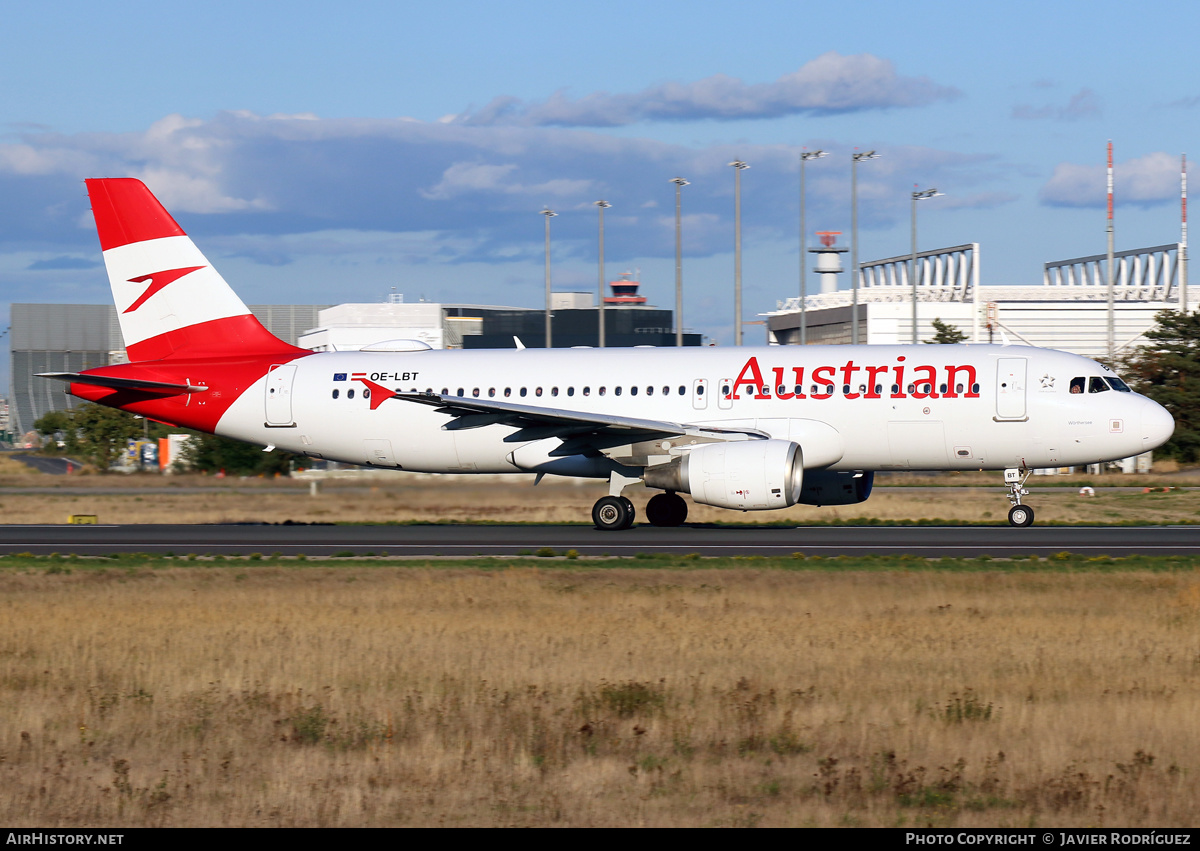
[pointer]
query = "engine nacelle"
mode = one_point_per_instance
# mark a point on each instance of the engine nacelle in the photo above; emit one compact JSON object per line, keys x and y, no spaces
{"x":825,"y":487}
{"x":749,"y":475}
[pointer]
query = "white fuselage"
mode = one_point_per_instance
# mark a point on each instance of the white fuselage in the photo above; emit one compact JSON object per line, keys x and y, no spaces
{"x":851,"y":408}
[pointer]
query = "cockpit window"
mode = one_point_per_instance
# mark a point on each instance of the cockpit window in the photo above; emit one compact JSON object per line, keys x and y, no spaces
{"x":1096,"y":385}
{"x":1077,"y":384}
{"x":1118,"y":384}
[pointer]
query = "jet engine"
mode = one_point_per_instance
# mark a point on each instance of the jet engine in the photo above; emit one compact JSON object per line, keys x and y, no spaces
{"x":825,"y":487}
{"x":749,"y":475}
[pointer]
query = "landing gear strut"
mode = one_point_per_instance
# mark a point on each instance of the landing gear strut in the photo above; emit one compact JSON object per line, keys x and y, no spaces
{"x":1014,"y":479}
{"x":666,"y":509}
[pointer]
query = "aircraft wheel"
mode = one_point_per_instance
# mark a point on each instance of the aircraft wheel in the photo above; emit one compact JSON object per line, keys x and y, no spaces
{"x":612,"y":513}
{"x":1020,"y":515}
{"x":666,"y":509}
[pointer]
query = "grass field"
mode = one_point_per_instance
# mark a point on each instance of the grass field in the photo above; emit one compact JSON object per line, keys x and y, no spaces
{"x":413,"y":498}
{"x":542,"y":692}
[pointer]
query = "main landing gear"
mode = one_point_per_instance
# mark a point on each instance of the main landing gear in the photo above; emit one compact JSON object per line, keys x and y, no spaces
{"x":1014,"y":479}
{"x":666,"y":509}
{"x":613,"y":513}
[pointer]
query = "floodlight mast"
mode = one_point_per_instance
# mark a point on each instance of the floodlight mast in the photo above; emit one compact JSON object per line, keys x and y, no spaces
{"x":913,"y":273}
{"x":739,"y":167}
{"x":856,"y":158}
{"x":805,"y":156}
{"x":679,"y":184}
{"x":549,"y":214}
{"x":603,"y":205}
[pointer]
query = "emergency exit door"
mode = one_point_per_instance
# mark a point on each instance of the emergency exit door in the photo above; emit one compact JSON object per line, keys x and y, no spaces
{"x":1010,"y":388}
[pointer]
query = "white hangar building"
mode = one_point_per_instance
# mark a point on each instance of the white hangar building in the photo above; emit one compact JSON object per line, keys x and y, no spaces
{"x":1068,"y":311}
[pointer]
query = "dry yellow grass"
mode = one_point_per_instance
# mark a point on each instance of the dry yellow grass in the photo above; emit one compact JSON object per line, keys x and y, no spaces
{"x":359,"y":696}
{"x":463,"y":499}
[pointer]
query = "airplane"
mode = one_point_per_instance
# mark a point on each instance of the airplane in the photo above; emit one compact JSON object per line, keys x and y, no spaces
{"x":747,"y":428}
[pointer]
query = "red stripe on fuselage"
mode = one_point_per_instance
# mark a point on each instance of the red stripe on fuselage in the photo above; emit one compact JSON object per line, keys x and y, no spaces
{"x":126,"y":211}
{"x":227,"y":379}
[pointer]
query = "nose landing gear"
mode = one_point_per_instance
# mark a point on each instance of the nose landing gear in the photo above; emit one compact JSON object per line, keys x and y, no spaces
{"x":1014,"y":479}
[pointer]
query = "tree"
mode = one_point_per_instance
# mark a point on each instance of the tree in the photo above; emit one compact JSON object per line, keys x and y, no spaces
{"x":1167,"y":369}
{"x":212,"y":454}
{"x":98,"y":433}
{"x":944,"y":333}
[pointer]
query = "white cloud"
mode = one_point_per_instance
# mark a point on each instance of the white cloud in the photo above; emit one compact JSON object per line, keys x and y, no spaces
{"x":831,"y":83}
{"x":479,"y":187}
{"x":1082,"y":104}
{"x":1152,"y":179}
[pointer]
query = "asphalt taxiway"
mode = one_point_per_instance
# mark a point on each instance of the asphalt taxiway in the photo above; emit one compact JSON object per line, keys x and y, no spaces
{"x":471,"y":540}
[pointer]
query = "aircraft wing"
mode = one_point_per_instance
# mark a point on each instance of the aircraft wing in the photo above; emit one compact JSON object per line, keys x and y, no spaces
{"x":594,"y":430}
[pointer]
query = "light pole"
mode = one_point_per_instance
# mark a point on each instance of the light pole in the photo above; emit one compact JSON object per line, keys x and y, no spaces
{"x":603,"y":205}
{"x":549,"y":214}
{"x":857,"y":157}
{"x":679,"y":184}
{"x":917,"y":195}
{"x":739,"y":167}
{"x":805,"y":156}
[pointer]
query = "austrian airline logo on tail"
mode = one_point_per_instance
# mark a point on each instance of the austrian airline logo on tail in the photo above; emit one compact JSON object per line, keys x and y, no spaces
{"x":157,"y":280}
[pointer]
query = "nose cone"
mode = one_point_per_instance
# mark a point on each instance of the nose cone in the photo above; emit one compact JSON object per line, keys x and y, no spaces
{"x":1157,"y":426}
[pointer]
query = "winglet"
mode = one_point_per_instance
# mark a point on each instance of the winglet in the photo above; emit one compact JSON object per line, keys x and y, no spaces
{"x":517,"y":340}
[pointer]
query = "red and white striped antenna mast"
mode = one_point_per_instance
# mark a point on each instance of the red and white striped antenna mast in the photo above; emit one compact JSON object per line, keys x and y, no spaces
{"x":1112,"y":338}
{"x":1183,"y":282}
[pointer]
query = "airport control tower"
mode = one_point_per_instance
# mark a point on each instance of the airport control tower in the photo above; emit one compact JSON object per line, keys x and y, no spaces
{"x":829,"y":261}
{"x":625,"y":291}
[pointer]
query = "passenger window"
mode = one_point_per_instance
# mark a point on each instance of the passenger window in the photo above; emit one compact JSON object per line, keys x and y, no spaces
{"x":895,"y":389}
{"x":766,"y":391}
{"x":681,"y":390}
{"x":958,"y":388}
{"x":445,"y":391}
{"x":725,"y":390}
{"x":975,"y":389}
{"x":475,"y":392}
{"x":553,"y":391}
{"x":367,"y":392}
{"x":335,"y":393}
{"x":649,"y":391}
{"x":780,"y":390}
{"x":699,"y":390}
{"x":617,"y":391}
{"x":537,"y":392}
{"x":492,"y":391}
{"x":587,"y":391}
{"x":460,"y":392}
{"x":507,"y":391}
{"x":1077,"y":385}
{"x":601,"y":391}
{"x":633,"y":390}
{"x":524,"y":391}
{"x":943,"y":389}
{"x":570,"y":391}
{"x":846,"y":389}
{"x":349,"y":394}
{"x":1096,"y":385}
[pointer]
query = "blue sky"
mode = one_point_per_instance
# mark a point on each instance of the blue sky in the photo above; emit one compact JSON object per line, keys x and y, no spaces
{"x":324,"y":154}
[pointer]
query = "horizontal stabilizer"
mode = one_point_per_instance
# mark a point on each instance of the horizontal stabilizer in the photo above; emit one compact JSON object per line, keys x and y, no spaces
{"x":160,"y":387}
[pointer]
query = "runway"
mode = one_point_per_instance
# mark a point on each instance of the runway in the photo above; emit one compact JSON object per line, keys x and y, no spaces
{"x":471,"y":540}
